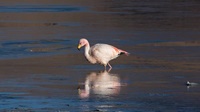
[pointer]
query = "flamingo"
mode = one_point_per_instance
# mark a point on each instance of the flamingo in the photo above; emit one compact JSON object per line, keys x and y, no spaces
{"x":100,"y":53}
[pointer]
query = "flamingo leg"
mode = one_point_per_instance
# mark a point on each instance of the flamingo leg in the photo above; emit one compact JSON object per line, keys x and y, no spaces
{"x":110,"y":67}
{"x":105,"y":67}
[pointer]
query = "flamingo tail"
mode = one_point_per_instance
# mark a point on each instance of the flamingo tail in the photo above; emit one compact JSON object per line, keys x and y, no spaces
{"x":123,"y":52}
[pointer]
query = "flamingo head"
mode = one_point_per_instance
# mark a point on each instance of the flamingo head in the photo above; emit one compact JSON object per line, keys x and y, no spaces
{"x":82,"y":42}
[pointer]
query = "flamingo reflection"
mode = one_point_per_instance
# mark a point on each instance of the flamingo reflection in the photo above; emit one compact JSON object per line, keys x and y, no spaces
{"x":102,"y":83}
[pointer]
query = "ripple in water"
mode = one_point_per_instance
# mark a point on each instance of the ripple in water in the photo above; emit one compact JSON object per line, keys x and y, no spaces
{"x":20,"y":49}
{"x":40,"y":8}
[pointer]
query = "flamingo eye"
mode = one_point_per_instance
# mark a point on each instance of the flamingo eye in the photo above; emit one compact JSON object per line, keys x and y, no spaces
{"x":82,"y":43}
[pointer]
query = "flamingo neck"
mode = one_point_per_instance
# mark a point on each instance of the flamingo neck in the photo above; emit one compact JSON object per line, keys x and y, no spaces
{"x":87,"y":49}
{"x":88,"y":55}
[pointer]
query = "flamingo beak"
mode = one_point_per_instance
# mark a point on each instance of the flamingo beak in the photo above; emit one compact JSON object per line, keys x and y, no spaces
{"x":79,"y":47}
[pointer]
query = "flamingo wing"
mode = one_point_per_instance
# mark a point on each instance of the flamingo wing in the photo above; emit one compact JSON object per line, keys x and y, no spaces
{"x":103,"y":53}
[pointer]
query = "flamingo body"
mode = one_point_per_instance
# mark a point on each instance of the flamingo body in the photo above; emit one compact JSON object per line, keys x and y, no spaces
{"x":100,"y":53}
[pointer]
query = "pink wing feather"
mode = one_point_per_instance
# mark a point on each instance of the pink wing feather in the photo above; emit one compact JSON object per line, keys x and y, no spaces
{"x":120,"y":51}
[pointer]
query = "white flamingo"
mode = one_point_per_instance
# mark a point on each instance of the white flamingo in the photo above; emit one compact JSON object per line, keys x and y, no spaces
{"x":100,"y":53}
